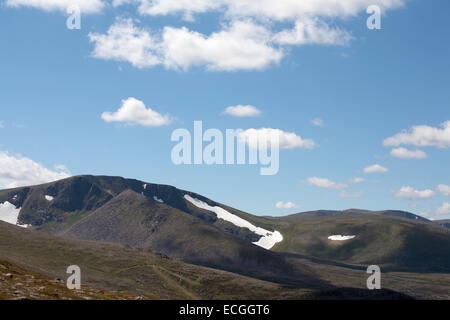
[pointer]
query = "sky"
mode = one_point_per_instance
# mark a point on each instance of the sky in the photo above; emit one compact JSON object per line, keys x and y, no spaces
{"x":364,"y":113}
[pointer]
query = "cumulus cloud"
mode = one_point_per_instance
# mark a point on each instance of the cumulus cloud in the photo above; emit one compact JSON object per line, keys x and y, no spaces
{"x":422,"y":136}
{"x":410,"y":193}
{"x":408,"y":154}
{"x":444,"y":209}
{"x":351,"y":195}
{"x":255,"y":138}
{"x":280,"y":10}
{"x":313,"y":31}
{"x":253,"y":34}
{"x":19,"y":171}
{"x":376,"y":168}
{"x":317,"y":122}
{"x":241,"y":45}
{"x":286,"y":205}
{"x":242,"y":111}
{"x":357,"y":180}
{"x":133,"y":111}
{"x":125,"y":42}
{"x":86,"y":6}
{"x":325,"y":183}
{"x":444,"y":189}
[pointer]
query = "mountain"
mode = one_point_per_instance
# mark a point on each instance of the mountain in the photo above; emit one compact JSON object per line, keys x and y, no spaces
{"x":396,"y":243}
{"x":326,"y":213}
{"x":302,"y":251}
{"x":153,"y":217}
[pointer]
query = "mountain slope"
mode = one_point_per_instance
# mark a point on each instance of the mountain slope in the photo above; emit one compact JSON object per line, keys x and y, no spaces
{"x":138,"y":221}
{"x":188,"y":227}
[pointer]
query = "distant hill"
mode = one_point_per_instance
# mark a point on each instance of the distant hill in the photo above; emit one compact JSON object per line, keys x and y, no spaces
{"x":444,"y":223}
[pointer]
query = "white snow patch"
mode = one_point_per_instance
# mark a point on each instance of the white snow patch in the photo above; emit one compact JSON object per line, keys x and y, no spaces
{"x":268,"y":239}
{"x":145,"y":186}
{"x":157,"y":199}
{"x":48,"y":198}
{"x":15,"y":197}
{"x":9,"y":213}
{"x":341,"y":238}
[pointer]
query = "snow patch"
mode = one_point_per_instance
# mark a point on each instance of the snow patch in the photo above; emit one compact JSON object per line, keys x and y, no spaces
{"x":159,"y":200}
{"x":268,"y":239}
{"x":9,"y":213}
{"x":145,"y":186}
{"x":341,"y":238}
{"x":49,"y":198}
{"x":15,"y":197}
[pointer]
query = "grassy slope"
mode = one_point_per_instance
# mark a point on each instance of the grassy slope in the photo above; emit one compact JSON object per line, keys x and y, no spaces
{"x":121,"y":272}
{"x":129,"y":270}
{"x":18,"y":283}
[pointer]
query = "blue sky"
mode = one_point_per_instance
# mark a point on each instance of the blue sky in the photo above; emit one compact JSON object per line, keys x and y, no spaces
{"x":55,"y":87}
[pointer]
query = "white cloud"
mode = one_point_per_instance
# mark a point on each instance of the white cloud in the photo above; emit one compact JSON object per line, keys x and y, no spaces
{"x":410,"y":193}
{"x":125,"y":42}
{"x":325,"y":183}
{"x":286,"y":205}
{"x":242,"y":111}
{"x":351,"y":195}
{"x":357,"y":180}
{"x":253,"y":35}
{"x":286,"y":140}
{"x":250,"y":38}
{"x":444,"y":189}
{"x":408,"y":154}
{"x":242,"y":45}
{"x":312,"y":31}
{"x":19,"y":171}
{"x":280,"y":10}
{"x":422,"y":136}
{"x":164,"y":7}
{"x":317,"y":122}
{"x":444,"y":209}
{"x":86,"y":6}
{"x":376,"y":168}
{"x":133,"y":111}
